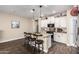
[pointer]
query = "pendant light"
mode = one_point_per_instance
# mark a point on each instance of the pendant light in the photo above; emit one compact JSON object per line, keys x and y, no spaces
{"x":33,"y":13}
{"x":40,"y":11}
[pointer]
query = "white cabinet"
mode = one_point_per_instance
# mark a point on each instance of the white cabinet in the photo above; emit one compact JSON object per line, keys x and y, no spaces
{"x":63,"y":22}
{"x":60,"y":37}
{"x":57,"y":22}
{"x":60,"y":22}
{"x":48,"y":21}
{"x":63,"y":38}
{"x":52,"y":20}
{"x":56,"y":37}
{"x":43,"y":23}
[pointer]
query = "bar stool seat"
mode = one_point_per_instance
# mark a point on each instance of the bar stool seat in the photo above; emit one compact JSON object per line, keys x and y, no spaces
{"x":39,"y":41}
{"x":32,"y":41}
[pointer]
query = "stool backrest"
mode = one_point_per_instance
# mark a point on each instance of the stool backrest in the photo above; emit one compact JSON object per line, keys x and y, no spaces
{"x":25,"y":34}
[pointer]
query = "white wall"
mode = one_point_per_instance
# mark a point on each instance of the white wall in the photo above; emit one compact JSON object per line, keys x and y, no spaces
{"x":78,"y":34}
{"x":7,"y":33}
{"x":71,"y":29}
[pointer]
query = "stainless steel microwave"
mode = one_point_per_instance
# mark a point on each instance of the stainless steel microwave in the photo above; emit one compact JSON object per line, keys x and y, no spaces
{"x":50,"y":25}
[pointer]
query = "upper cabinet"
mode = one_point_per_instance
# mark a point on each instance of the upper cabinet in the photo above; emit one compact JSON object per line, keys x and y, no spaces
{"x":48,"y":21}
{"x":60,"y":22}
{"x":51,"y":20}
{"x":63,"y":22}
{"x":57,"y":22}
{"x":43,"y":23}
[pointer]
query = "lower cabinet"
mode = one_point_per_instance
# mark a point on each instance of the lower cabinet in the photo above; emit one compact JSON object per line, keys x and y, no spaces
{"x":60,"y":37}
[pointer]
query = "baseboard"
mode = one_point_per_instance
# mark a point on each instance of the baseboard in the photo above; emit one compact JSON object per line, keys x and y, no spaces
{"x":61,"y":42}
{"x":72,"y":45}
{"x":11,"y":40}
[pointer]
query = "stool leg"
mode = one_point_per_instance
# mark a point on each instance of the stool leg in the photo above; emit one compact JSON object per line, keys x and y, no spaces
{"x":24,"y":42}
{"x":35,"y":44}
{"x":35,"y":48}
{"x":27,"y":40}
{"x":38,"y":48}
{"x":42,"y":47}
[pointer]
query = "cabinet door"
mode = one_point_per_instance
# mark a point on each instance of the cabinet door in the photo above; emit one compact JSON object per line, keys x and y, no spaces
{"x":63,"y":38}
{"x":60,"y":22}
{"x":43,"y":23}
{"x":48,"y":20}
{"x":60,"y":37}
{"x":56,"y":37}
{"x":52,"y":20}
{"x":63,"y":22}
{"x":57,"y":22}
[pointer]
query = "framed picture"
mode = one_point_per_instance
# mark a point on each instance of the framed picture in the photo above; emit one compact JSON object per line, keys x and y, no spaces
{"x":15,"y":24}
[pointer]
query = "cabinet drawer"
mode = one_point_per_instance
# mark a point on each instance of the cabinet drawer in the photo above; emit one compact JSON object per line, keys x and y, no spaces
{"x":60,"y":37}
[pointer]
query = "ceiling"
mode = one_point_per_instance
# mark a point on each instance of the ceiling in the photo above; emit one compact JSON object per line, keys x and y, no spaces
{"x":24,"y":10}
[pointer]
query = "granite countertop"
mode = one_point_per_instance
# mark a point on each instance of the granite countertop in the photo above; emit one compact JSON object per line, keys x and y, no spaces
{"x":60,"y":32}
{"x":45,"y":35}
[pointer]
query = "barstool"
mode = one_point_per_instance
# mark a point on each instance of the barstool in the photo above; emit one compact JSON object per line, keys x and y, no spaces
{"x":27,"y":38}
{"x":33,"y":39}
{"x":39,"y":43}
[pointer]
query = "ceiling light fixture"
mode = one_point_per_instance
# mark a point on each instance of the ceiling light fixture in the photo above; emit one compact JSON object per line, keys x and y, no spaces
{"x":53,"y":12}
{"x":40,"y":11}
{"x":46,"y":5}
{"x":33,"y":10}
{"x":41,"y":15}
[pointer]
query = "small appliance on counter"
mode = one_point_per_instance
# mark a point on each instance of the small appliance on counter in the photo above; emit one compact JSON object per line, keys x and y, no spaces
{"x":50,"y":25}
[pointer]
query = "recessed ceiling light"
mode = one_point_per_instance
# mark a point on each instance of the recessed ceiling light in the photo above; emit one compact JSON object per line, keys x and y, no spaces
{"x":53,"y":11}
{"x":46,"y":5}
{"x":32,"y":10}
{"x":42,"y":15}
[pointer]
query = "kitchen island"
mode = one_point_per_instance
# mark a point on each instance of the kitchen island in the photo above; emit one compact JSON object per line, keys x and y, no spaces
{"x":47,"y":41}
{"x":45,"y":37}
